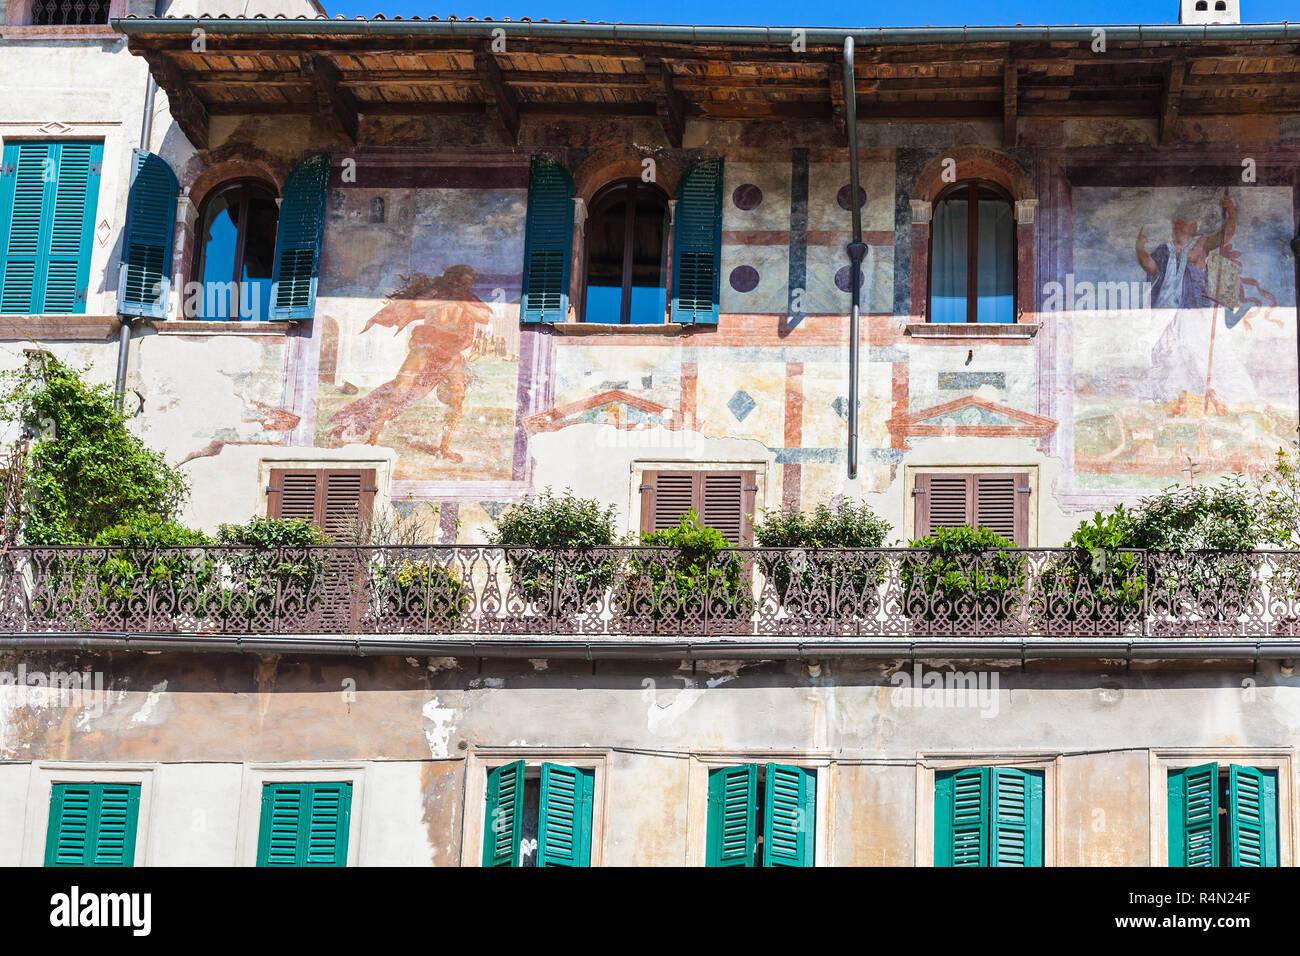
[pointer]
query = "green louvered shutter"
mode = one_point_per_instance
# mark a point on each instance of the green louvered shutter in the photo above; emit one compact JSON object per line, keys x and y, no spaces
{"x":1194,"y":816}
{"x":503,"y":825}
{"x":305,"y":824}
{"x":564,"y":824}
{"x":548,"y":243}
{"x":1016,"y":817}
{"x":48,"y":197}
{"x":733,"y":806}
{"x":961,"y":814}
{"x":150,"y":229}
{"x":92,"y":824}
{"x":697,"y":245}
{"x":298,"y":240}
{"x":790,"y":816}
{"x":1252,"y":816}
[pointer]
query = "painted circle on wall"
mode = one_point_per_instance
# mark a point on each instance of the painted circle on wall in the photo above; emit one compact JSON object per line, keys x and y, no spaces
{"x":744,"y":278}
{"x":842,"y":278}
{"x":842,"y":197}
{"x":747,"y":196}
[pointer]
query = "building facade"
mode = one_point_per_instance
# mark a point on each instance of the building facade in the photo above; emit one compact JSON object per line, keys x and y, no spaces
{"x":430,"y":268}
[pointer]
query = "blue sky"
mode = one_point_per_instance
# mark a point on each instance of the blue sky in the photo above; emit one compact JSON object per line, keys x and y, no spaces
{"x":814,"y":14}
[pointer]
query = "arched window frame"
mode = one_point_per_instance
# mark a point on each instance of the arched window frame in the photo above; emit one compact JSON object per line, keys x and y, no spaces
{"x":972,"y":250}
{"x":637,"y":185}
{"x":247,"y":184}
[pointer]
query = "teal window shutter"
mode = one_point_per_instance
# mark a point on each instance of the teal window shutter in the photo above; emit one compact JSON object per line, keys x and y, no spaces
{"x":150,"y":230}
{"x":733,"y":806}
{"x":1252,"y":816}
{"x":305,"y":824}
{"x":564,"y":824}
{"x":548,"y":243}
{"x":92,"y":824}
{"x":48,"y":197}
{"x":503,"y":823}
{"x":1193,"y":803}
{"x":298,"y":240}
{"x":790,"y":816}
{"x":1016,"y":817}
{"x":697,"y":245}
{"x":961,"y":817}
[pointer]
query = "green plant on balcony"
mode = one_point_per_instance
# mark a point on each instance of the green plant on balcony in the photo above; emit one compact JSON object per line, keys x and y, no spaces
{"x":276,"y":570}
{"x":1098,"y":581}
{"x":689,"y":572}
{"x":827,"y":574}
{"x":552,"y":547}
{"x":967,"y":575}
{"x":416,"y":589}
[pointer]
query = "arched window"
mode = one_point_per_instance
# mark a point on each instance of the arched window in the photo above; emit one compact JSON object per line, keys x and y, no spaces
{"x":236,"y":250}
{"x":973,"y":255}
{"x":626,"y":264}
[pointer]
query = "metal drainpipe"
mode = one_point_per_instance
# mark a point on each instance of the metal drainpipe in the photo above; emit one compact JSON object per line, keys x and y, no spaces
{"x":146,"y":133}
{"x":1295,"y":251}
{"x":857,"y":250}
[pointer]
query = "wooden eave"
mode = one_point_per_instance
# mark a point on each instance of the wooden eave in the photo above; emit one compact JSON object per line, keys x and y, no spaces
{"x":346,"y":76}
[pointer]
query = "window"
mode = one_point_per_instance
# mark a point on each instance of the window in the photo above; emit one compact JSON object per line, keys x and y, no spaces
{"x":625,"y":255}
{"x":625,"y":248}
{"x":66,"y":13}
{"x":538,"y":816}
{"x":722,"y":500}
{"x":48,"y":196}
{"x":92,"y":824}
{"x":236,"y":249}
{"x":973,"y":255}
{"x":999,"y":502}
{"x":256,"y":260}
{"x":762,"y":815}
{"x":336,"y":501}
{"x":1223,"y":816}
{"x":304,"y":824}
{"x":988,"y":816}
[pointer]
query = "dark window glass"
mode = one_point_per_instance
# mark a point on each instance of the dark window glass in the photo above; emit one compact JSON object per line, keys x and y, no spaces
{"x":626,"y":267}
{"x":69,"y":13}
{"x":237,"y":252}
{"x":973,"y":256}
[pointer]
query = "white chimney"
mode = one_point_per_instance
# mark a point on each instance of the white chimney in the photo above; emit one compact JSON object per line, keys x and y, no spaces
{"x":1209,"y":11}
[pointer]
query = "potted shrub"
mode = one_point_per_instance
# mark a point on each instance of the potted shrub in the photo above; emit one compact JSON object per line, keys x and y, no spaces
{"x":687,"y":574}
{"x":968,"y":579}
{"x":1097,"y":587}
{"x":831,"y":571}
{"x":278,"y":576}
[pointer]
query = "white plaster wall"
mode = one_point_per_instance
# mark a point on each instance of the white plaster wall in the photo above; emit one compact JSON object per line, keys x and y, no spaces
{"x":13,"y":810}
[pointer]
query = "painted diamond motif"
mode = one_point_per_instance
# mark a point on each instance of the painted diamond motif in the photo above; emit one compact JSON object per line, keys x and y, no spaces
{"x":841,"y":407}
{"x":103,"y":232}
{"x":741,"y":404}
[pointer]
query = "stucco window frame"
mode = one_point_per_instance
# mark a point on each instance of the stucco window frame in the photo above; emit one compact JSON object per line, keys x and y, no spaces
{"x":44,"y":774}
{"x":1281,"y":759}
{"x":697,"y":795}
{"x":909,"y":486}
{"x":100,"y":320}
{"x":255,"y":775}
{"x":480,"y":760}
{"x":1051,"y":764}
{"x":640,"y":466}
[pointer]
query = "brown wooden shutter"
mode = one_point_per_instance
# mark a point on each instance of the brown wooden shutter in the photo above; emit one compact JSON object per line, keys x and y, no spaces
{"x":942,"y":501}
{"x":333,"y":500}
{"x":1002,"y":505}
{"x":722,"y":499}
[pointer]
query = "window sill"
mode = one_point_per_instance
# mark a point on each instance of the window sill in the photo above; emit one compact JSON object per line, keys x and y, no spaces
{"x":28,"y":31}
{"x":610,"y":328}
{"x":204,"y":327}
{"x":972,"y":330}
{"x":57,"y":327}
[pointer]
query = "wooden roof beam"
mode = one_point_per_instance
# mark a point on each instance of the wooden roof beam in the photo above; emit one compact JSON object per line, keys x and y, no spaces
{"x":1171,"y":98}
{"x":669,"y":104}
{"x":1010,"y":100}
{"x":186,"y":108}
{"x":502,"y":104}
{"x":839,"y":107}
{"x":332,"y":100}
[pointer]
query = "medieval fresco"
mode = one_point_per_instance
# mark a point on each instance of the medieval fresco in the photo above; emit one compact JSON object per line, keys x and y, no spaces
{"x":1183,"y":331}
{"x":420,"y":344}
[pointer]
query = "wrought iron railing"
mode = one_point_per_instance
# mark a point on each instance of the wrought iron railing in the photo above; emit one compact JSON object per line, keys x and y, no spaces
{"x":648,"y":592}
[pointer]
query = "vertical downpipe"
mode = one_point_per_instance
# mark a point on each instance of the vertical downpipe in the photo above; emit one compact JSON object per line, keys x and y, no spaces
{"x":857,"y":250}
{"x":146,"y":133}
{"x":1295,"y":251}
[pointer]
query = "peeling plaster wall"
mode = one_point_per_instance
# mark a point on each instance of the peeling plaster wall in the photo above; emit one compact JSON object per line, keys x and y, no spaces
{"x":412,"y":721}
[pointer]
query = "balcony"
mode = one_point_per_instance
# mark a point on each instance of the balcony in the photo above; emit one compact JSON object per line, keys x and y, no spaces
{"x":637,"y":601}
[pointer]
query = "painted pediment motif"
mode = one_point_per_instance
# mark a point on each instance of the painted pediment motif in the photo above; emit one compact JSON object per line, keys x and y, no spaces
{"x":614,"y":407}
{"x":972,"y":417}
